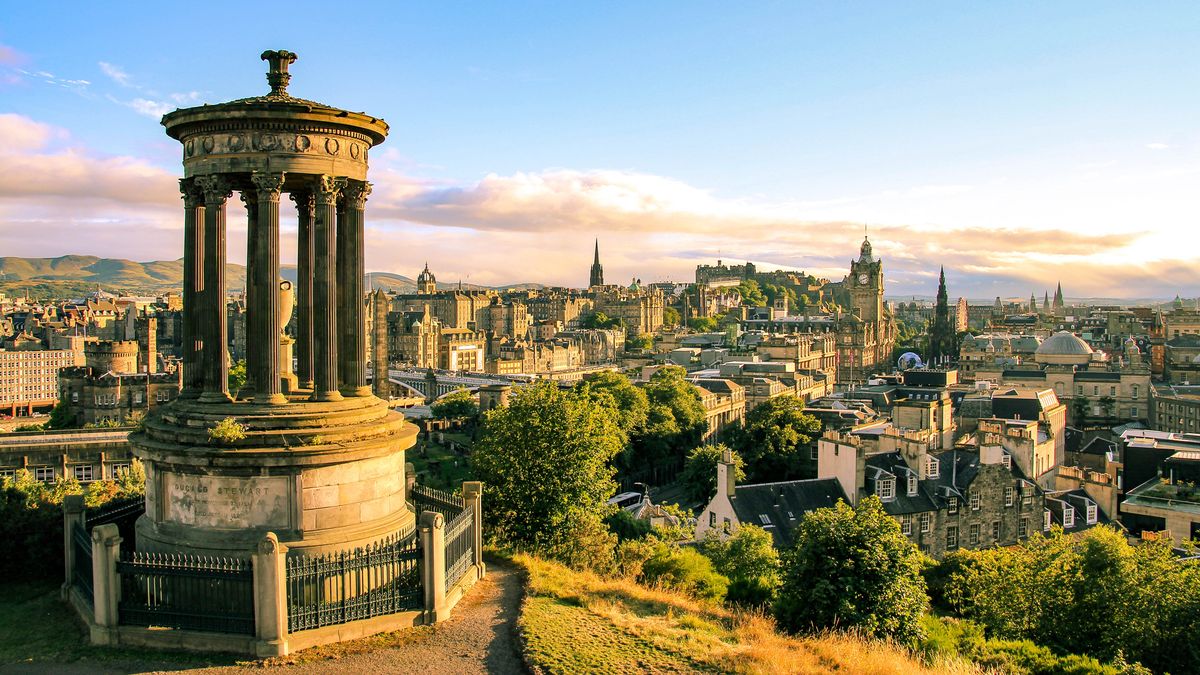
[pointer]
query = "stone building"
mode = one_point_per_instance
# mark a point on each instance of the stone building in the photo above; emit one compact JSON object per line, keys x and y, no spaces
{"x":1176,"y":408}
{"x":109,"y":386}
{"x":1181,"y":359}
{"x":462,"y":349}
{"x":641,"y":309}
{"x":414,"y":338}
{"x":29,"y":377}
{"x":724,"y":404}
{"x":596,"y":275}
{"x":426,"y":282}
{"x":559,"y":306}
{"x":867,"y":337}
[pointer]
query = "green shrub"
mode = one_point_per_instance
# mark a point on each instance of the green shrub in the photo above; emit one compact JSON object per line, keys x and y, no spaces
{"x":626,"y":527}
{"x":226,"y":432}
{"x":685,"y":570}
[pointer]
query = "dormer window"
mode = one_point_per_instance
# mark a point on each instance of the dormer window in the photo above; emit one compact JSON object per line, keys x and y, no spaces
{"x":953,"y":507}
{"x":885,"y":489}
{"x":1046,"y":520}
{"x":932,"y":467}
{"x":1069,"y":517}
{"x":764,"y":519}
{"x":1092,"y":514}
{"x":912,"y":485}
{"x":1006,"y":460}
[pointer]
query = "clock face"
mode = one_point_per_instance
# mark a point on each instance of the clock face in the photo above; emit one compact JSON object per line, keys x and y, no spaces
{"x":862,"y":278}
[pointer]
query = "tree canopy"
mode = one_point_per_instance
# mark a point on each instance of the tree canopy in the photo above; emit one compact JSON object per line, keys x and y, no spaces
{"x":852,"y":568}
{"x":748,"y":557}
{"x":775,"y":439}
{"x":1093,"y":594}
{"x":601,"y":320}
{"x":751,"y":293}
{"x":675,"y":420}
{"x":702,"y":324}
{"x":458,"y":404}
{"x":545,"y":463}
{"x":699,"y":478}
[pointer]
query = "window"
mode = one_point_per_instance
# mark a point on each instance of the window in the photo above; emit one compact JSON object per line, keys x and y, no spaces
{"x":712,"y":518}
{"x":912,"y":484}
{"x":119,"y":470}
{"x":1027,"y":496}
{"x":1009,"y":496}
{"x":74,"y":397}
{"x":885,"y":489}
{"x":812,"y":454}
{"x":1069,"y":517}
{"x":951,"y":537}
{"x":953,"y":507}
{"x":44,"y":473}
{"x":932,"y":467}
{"x":924,"y":522}
{"x":1046,"y":519}
{"x":764,"y":519}
{"x":1112,"y":391}
{"x":1023,"y":528}
{"x":1006,"y":460}
{"x":83,"y":472}
{"x":137,"y":397}
{"x":906,"y":525}
{"x":975,"y":534}
{"x":7,"y":473}
{"x":995,"y":530}
{"x":1135,"y":392}
{"x":975,"y":499}
{"x":1092,"y":514}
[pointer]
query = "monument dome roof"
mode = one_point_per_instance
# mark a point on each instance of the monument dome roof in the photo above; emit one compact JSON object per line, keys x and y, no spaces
{"x":1063,"y":343}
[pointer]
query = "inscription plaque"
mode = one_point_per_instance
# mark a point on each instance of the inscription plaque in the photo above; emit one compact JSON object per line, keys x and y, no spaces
{"x":227,"y":501}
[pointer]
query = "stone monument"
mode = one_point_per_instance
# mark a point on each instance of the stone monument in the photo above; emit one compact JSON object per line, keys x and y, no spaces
{"x":313,"y":457}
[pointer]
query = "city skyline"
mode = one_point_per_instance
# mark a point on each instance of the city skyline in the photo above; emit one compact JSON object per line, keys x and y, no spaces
{"x":1016,"y":149}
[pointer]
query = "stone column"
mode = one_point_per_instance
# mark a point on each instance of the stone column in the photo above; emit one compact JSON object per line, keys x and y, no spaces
{"x":270,"y":597}
{"x":472,"y":492}
{"x":72,"y":514}
{"x":352,"y":313}
{"x":433,"y":546}
{"x":250,"y":202}
{"x":193,"y":287}
{"x":305,"y":207}
{"x":212,"y":322}
{"x":106,"y":584}
{"x":325,"y":290}
{"x":264,"y":326}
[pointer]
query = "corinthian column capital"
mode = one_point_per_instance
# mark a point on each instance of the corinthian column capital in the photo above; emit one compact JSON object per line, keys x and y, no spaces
{"x":327,"y":189}
{"x":191,"y":193}
{"x":216,"y":189}
{"x":267,"y":184}
{"x":305,"y":201}
{"x":356,"y":194}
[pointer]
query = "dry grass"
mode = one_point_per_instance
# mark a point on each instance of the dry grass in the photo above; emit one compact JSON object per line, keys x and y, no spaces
{"x":579,"y":622}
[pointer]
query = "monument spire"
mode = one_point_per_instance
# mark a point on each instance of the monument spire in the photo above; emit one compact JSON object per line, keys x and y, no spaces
{"x":597,"y":275}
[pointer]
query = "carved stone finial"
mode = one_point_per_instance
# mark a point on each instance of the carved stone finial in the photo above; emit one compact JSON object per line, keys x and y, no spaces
{"x":278,"y":76}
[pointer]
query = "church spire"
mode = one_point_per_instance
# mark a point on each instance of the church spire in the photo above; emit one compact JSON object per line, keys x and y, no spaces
{"x":597,"y":275}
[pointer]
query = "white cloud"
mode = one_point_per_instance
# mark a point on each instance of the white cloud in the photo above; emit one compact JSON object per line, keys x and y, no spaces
{"x":1157,"y":146}
{"x":116,"y":73}
{"x":150,"y":108}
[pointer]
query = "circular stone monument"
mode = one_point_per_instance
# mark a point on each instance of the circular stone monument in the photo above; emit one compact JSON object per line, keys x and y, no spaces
{"x":312,"y":456}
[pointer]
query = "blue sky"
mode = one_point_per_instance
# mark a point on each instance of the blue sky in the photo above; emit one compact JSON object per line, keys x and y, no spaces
{"x":1014,"y":143}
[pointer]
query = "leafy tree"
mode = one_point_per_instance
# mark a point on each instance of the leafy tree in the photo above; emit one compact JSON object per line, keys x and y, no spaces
{"x":748,"y":557}
{"x":675,"y":419}
{"x":702,"y":324}
{"x":775,"y":439}
{"x":670,"y":316}
{"x":619,"y":393}
{"x":643,"y":341}
{"x":60,"y":416}
{"x":1055,"y":589}
{"x":852,"y":568}
{"x":699,"y":479}
{"x":751,"y":293}
{"x":237,"y":376}
{"x":457,"y":404}
{"x":601,"y":320}
{"x":1079,"y":410}
{"x":685,"y":570}
{"x":545,"y":463}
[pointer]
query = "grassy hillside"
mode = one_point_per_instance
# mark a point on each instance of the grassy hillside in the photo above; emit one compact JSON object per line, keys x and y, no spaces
{"x":574,"y":622}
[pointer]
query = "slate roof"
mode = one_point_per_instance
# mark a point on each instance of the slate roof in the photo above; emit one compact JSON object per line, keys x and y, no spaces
{"x":891,"y":464}
{"x":784,"y":504}
{"x":1058,"y":502}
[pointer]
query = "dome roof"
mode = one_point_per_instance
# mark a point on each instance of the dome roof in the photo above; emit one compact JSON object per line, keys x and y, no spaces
{"x":1063,"y":343}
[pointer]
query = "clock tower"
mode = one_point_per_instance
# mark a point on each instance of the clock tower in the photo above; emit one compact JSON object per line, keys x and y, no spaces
{"x":865,"y":284}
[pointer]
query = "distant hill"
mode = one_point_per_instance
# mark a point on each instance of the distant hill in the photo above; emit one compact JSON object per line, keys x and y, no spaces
{"x":74,"y":275}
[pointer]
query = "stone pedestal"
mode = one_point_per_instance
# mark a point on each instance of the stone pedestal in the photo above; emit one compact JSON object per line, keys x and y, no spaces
{"x":322,"y":476}
{"x":288,"y":379}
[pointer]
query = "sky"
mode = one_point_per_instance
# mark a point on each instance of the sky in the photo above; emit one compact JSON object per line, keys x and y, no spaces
{"x":1017,"y":144}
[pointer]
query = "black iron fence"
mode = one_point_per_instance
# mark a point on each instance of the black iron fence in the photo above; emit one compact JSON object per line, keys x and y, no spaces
{"x":460,"y":546}
{"x":121,"y":512}
{"x":189,"y":592}
{"x":429,"y":499}
{"x":81,"y":570}
{"x":335,"y":588}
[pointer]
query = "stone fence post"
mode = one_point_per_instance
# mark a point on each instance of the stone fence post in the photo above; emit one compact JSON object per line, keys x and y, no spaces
{"x":270,"y":597}
{"x":472,"y":491}
{"x":106,"y":583}
{"x":433,"y":543}
{"x":73,"y":512}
